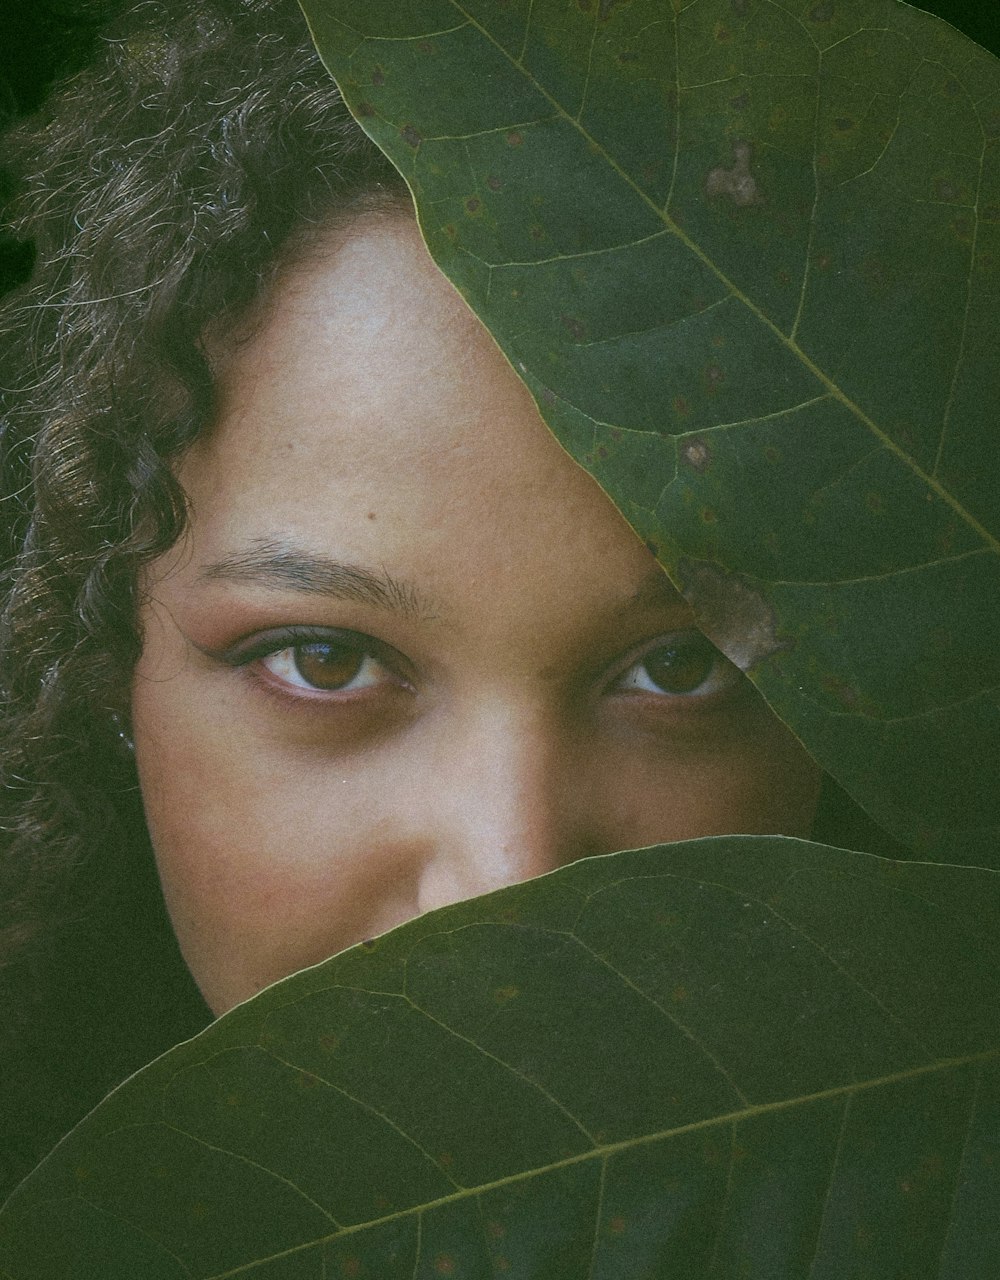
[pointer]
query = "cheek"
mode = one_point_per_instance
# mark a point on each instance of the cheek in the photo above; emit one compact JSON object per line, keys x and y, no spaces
{"x":266,"y":868}
{"x":748,"y":775}
{"x":772,"y":784}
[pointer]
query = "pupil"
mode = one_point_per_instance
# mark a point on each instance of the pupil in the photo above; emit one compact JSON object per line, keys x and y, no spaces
{"x":327,"y":666}
{"x":682,"y":666}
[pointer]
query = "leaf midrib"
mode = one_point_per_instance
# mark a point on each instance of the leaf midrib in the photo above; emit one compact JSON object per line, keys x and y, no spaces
{"x":607,"y":1150}
{"x":930,"y":480}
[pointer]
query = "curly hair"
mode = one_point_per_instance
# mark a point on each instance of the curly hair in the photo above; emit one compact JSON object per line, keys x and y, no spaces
{"x":167,"y":181}
{"x":161,"y":187}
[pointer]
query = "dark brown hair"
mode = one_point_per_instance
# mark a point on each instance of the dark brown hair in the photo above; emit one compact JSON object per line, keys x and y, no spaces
{"x":161,"y":188}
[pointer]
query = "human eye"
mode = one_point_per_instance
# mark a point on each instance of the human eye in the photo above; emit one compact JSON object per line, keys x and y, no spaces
{"x":682,"y":665}
{"x":309,"y":663}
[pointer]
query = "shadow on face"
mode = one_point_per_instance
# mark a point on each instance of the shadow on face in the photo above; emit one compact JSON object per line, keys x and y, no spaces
{"x":408,"y":651}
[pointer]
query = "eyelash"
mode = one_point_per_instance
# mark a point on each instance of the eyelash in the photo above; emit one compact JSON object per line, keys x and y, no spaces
{"x":690,"y":652}
{"x":275,"y":645}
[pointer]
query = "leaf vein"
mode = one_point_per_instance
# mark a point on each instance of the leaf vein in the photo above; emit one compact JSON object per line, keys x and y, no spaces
{"x":628,"y":1144}
{"x":794,"y":349}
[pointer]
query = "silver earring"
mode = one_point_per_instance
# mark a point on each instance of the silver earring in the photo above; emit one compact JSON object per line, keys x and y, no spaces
{"x":122,"y":735}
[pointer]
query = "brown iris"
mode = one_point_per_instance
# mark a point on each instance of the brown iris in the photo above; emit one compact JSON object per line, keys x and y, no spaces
{"x":328,"y":665}
{"x":682,"y":665}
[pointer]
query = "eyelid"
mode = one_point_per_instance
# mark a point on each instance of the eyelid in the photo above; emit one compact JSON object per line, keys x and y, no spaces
{"x":263,"y":643}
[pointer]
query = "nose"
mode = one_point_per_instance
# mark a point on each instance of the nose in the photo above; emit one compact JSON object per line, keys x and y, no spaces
{"x":507,"y":806}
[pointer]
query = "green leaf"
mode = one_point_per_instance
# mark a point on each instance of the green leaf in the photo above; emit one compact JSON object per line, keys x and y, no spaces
{"x":746,"y":255}
{"x":743,"y":1056}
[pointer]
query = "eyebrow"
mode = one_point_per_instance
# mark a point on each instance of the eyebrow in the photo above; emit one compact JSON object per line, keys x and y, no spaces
{"x":285,"y":567}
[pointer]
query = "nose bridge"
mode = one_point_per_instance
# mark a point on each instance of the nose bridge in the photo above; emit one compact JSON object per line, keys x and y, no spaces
{"x":505,"y":808}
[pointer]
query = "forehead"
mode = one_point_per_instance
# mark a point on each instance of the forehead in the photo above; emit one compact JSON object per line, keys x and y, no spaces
{"x":370,"y":420}
{"x":362,"y":353}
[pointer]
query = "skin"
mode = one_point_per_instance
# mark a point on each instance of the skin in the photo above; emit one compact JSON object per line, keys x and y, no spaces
{"x":505,"y":698}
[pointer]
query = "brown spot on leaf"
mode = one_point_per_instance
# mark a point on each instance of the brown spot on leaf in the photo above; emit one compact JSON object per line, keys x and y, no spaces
{"x":493,"y":182}
{"x":606,"y":8}
{"x":514,"y":138}
{"x":537,"y":232}
{"x":378,"y":77}
{"x":737,"y":183}
{"x":365,"y":110}
{"x":731,"y":613}
{"x":784,"y":277}
{"x":681,"y":406}
{"x":876,"y":273}
{"x":473,"y":204}
{"x":444,"y":1264}
{"x":962,"y":228}
{"x":602,"y":453}
{"x":652,"y":548}
{"x":714,"y":376}
{"x":426,"y":46}
{"x":945,"y":190}
{"x":697,"y":454}
{"x":739,"y":7}
{"x":845,"y":694}
{"x":843,"y":125}
{"x":991,"y":213}
{"x":584,"y":5}
{"x":410,"y":136}
{"x":707,"y":515}
{"x":952,"y":88}
{"x":822,"y":12}
{"x":576,"y":327}
{"x":740,"y":102}
{"x":722,"y":34}
{"x":629,"y":55}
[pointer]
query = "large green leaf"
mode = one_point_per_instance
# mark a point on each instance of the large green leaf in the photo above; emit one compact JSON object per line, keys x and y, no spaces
{"x":746,"y":1056}
{"x":746,"y":255}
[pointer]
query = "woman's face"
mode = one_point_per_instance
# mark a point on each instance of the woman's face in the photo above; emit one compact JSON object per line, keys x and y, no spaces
{"x":408,"y":652}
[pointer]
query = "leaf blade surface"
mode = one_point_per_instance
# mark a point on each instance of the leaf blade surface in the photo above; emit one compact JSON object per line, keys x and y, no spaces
{"x":702,"y":1055}
{"x":746,"y":256}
